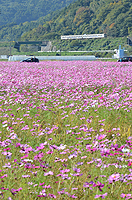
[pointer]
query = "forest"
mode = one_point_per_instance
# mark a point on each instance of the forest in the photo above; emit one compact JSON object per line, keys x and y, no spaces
{"x":18,"y":11}
{"x":81,"y":17}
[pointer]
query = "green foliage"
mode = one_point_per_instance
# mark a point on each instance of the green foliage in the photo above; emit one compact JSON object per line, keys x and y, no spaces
{"x":80,"y":17}
{"x":20,"y":11}
{"x":75,"y":44}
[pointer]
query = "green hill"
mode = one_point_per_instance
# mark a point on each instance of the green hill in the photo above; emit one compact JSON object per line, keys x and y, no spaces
{"x":80,"y":17}
{"x":85,"y":17}
{"x":19,"y":11}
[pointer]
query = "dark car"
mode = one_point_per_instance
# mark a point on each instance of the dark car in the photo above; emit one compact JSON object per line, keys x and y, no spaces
{"x":30,"y":60}
{"x":125,"y":59}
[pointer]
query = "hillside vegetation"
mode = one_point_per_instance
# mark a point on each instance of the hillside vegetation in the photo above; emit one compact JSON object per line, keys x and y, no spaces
{"x":18,"y":11}
{"x":87,"y":16}
{"x":80,"y":17}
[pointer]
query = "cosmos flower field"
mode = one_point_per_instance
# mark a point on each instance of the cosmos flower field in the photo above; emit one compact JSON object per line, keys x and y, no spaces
{"x":65,"y":130}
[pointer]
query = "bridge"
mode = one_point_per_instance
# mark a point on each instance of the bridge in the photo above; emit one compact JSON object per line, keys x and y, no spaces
{"x":42,"y":43}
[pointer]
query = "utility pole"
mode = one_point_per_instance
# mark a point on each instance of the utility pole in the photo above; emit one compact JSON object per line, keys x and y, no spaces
{"x":10,"y":48}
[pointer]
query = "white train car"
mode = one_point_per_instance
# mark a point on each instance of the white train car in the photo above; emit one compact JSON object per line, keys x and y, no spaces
{"x":85,"y":36}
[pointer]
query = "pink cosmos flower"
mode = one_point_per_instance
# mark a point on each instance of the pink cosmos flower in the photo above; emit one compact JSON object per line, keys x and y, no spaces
{"x":99,"y":185}
{"x":17,"y":190}
{"x":101,"y":130}
{"x":100,"y":137}
{"x":114,"y":178}
{"x":5,"y":175}
{"x":74,"y":188}
{"x":65,"y":170}
{"x":42,"y":183}
{"x":26,"y":176}
{"x":7,"y":149}
{"x":48,"y":173}
{"x":46,"y":186}
{"x":83,"y":157}
{"x":76,"y":169}
{"x":49,"y":152}
{"x":43,"y":193}
{"x":100,"y":195}
{"x":25,"y":127}
{"x":25,"y":156}
{"x":126,"y":196}
{"x":73,"y":196}
{"x":130,"y":164}
{"x":52,"y":196}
